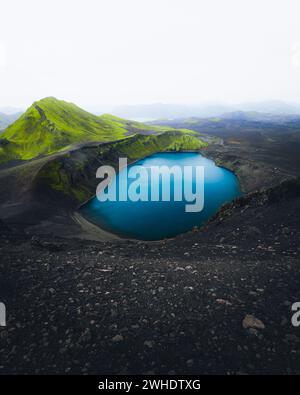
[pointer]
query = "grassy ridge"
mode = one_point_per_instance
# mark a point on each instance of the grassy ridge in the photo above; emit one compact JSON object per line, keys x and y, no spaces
{"x":73,"y":175}
{"x":140,"y":146}
{"x":51,"y":125}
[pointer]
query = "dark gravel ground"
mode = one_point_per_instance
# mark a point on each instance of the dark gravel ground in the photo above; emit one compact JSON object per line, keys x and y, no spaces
{"x":215,"y":301}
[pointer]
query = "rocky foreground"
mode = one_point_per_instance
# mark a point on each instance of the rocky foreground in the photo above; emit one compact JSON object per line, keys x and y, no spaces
{"x":215,"y":301}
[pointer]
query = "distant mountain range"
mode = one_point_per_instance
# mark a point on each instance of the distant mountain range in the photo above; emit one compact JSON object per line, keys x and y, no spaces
{"x":157,"y":111}
{"x":258,"y":128}
{"x":256,"y":116}
{"x":7,"y":119}
{"x":172,"y":111}
{"x":240,"y":117}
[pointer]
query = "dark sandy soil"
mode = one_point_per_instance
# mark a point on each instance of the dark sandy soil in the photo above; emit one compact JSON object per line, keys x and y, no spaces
{"x":212,"y":301}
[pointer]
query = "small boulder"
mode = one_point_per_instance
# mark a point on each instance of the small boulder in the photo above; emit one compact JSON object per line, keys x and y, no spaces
{"x":252,"y":322}
{"x":117,"y":338}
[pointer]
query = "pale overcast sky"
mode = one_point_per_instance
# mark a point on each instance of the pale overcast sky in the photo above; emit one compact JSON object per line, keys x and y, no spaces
{"x":109,"y":52}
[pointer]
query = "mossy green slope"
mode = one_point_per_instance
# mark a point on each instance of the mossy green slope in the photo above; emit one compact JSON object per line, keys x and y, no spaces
{"x":72,"y":175}
{"x":140,"y":146}
{"x":51,"y":125}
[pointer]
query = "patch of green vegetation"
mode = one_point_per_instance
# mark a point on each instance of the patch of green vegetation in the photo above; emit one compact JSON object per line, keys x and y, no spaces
{"x":73,"y":175}
{"x":190,"y":121}
{"x":140,"y":146}
{"x":7,"y":152}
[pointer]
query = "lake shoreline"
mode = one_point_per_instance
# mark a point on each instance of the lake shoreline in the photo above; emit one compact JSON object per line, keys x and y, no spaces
{"x":157,"y":220}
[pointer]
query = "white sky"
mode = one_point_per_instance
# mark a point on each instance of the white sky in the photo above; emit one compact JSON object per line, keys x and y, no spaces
{"x":109,"y":52}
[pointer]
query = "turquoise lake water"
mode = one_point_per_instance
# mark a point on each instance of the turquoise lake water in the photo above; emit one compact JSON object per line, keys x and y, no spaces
{"x":154,"y":220}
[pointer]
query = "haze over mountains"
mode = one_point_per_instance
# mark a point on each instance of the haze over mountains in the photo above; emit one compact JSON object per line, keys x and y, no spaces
{"x":11,"y":110}
{"x":153,"y":111}
{"x":162,"y":110}
{"x":6,"y":119}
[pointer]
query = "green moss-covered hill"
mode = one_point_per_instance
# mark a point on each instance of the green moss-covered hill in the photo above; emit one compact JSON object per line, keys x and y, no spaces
{"x":51,"y":125}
